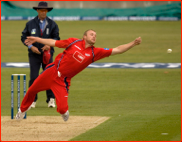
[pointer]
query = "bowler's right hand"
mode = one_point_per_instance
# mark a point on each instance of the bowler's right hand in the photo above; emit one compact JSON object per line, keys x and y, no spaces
{"x":30,"y":40}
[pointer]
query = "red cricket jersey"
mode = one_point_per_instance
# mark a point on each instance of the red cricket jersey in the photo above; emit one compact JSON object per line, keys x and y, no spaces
{"x":76,"y":57}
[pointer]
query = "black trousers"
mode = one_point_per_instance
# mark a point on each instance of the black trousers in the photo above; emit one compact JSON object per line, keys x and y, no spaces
{"x":36,"y":62}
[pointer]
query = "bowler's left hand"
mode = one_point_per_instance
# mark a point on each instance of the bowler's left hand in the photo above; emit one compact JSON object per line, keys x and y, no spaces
{"x":138,"y":41}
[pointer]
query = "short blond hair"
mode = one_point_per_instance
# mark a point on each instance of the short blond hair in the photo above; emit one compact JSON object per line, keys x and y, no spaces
{"x":85,"y":33}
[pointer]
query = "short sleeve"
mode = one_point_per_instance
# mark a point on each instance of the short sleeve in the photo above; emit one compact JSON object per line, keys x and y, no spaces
{"x":101,"y":53}
{"x":64,"y":43}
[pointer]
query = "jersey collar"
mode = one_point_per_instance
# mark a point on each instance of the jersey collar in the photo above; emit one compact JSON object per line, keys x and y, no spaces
{"x":87,"y":47}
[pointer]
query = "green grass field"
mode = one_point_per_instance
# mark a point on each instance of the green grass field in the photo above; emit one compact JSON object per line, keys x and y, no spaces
{"x":143,"y":104}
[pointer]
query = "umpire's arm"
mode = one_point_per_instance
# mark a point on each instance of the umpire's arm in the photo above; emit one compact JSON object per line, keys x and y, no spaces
{"x":55,"y":33}
{"x":25,"y":33}
{"x":123,"y":48}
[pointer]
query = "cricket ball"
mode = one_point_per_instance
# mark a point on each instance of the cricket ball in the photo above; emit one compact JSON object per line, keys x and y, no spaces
{"x":169,"y":50}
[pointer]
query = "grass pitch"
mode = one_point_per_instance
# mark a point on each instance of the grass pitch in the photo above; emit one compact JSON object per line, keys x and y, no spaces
{"x":144,"y":104}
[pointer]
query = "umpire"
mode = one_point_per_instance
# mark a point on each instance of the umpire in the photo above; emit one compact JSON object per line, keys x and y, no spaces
{"x":39,"y":54}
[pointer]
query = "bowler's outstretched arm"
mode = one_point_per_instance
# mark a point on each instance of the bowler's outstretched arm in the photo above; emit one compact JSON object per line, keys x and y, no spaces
{"x":123,"y":48}
{"x":30,"y":40}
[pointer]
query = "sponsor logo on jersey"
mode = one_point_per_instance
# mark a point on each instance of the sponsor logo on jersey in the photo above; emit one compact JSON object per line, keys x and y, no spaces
{"x":106,"y":48}
{"x":78,"y":57}
{"x":86,"y":54}
{"x":77,"y":47}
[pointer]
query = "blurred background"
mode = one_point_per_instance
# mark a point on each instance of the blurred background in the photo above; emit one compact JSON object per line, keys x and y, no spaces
{"x":96,"y":10}
{"x":93,"y":4}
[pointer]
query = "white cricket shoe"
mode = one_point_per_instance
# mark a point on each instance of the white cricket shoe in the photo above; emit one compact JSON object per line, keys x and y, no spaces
{"x":65,"y":116}
{"x":33,"y":105}
{"x":51,"y":103}
{"x":20,"y":115}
